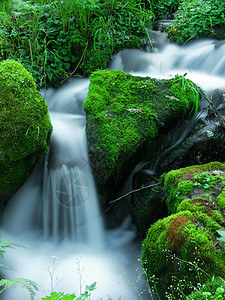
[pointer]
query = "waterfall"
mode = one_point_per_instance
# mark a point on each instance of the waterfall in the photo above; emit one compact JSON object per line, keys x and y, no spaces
{"x":69,"y":202}
{"x":55,"y":213}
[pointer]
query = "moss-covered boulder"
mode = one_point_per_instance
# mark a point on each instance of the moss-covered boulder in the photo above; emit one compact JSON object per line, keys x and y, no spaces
{"x":183,"y":250}
{"x":124,"y":115}
{"x":25,"y":126}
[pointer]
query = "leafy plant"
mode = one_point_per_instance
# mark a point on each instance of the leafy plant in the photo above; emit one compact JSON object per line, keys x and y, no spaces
{"x":57,"y":39}
{"x":222,"y":235}
{"x":29,"y":285}
{"x":164,"y":8}
{"x":205,"y":180}
{"x":59,"y":296}
{"x":198,"y":18}
{"x":62,"y":296}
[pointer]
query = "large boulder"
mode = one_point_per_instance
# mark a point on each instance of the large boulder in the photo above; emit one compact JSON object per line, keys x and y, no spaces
{"x":184,"y":250}
{"x":25,"y":127}
{"x":124,"y":114}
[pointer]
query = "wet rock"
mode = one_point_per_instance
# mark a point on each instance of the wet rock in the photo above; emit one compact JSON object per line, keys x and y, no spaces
{"x":204,"y":143}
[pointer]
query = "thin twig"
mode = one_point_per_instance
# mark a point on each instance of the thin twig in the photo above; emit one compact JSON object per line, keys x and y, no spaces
{"x":133,"y":191}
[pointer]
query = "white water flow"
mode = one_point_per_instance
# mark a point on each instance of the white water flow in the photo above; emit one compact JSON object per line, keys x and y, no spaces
{"x":203,"y":61}
{"x":55,"y":214}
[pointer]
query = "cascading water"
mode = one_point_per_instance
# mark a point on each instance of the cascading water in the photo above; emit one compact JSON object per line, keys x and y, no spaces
{"x":202,"y":61}
{"x":56,"y":214}
{"x":68,"y":197}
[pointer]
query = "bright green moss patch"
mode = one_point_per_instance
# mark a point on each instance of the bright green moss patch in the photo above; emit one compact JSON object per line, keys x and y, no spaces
{"x":125,"y":112}
{"x":25,"y":126}
{"x":221,"y":200}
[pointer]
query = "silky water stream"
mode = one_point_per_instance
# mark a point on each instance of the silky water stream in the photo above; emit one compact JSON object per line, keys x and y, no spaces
{"x":55,"y":214}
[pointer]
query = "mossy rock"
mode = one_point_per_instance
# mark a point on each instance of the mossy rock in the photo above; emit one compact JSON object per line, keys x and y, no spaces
{"x":25,"y":126}
{"x":184,"y":248}
{"x":124,"y":114}
{"x":194,"y":181}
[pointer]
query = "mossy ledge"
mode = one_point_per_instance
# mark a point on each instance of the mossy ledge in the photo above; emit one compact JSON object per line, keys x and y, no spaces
{"x":125,"y":112}
{"x":184,"y":248}
{"x":25,"y":126}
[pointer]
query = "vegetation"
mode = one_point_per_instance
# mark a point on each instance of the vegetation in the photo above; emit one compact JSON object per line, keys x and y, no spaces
{"x":56,"y":39}
{"x":197,"y":19}
{"x":164,"y":8}
{"x":26,"y":284}
{"x":25,"y":126}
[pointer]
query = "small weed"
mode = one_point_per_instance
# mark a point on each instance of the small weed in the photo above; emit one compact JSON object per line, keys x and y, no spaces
{"x":205,"y":180}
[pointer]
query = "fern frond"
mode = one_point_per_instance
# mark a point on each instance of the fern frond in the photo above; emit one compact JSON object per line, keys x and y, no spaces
{"x":7,"y":244}
{"x":29,"y":285}
{"x":5,"y":266}
{"x":59,"y":296}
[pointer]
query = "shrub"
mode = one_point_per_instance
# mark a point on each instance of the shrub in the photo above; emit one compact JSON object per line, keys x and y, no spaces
{"x":164,"y":8}
{"x":197,"y":19}
{"x":57,"y":39}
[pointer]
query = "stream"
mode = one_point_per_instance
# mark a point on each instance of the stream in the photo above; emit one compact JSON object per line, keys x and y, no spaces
{"x":55,"y":214}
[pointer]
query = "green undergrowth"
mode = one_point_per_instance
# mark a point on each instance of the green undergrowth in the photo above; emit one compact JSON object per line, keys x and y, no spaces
{"x":198,"y":19}
{"x":123,"y":112}
{"x":57,"y":39}
{"x":164,"y":8}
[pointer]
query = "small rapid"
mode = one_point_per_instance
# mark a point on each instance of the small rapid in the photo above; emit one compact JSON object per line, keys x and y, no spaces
{"x":202,"y":61}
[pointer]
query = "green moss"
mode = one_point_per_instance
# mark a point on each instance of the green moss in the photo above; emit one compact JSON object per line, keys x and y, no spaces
{"x":221,"y":200}
{"x":124,"y":112}
{"x":204,"y":211}
{"x":25,"y":126}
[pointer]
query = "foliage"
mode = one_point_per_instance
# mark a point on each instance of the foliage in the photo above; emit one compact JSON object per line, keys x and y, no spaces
{"x":26,"y":284}
{"x":59,"y":296}
{"x":30,"y":286}
{"x":197,"y":19}
{"x":57,"y":39}
{"x":164,"y":8}
{"x":205,"y":180}
{"x":5,"y":6}
{"x":213,"y":289}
